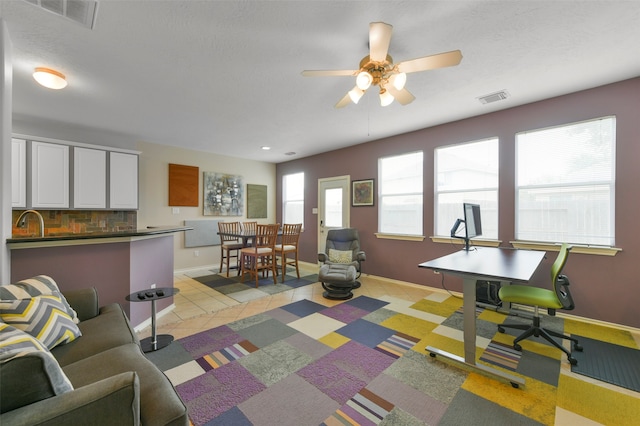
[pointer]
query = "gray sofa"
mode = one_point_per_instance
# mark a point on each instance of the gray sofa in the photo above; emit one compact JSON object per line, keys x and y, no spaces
{"x":113,"y":382}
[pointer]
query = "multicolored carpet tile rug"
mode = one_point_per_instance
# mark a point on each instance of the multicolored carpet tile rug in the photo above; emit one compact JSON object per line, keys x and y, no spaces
{"x":363,"y":362}
{"x":234,"y":287}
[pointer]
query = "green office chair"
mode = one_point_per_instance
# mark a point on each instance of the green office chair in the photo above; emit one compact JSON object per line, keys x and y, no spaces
{"x":559,"y":298}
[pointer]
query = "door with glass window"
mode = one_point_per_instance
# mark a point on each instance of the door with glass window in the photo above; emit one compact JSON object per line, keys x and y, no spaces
{"x":333,"y":206}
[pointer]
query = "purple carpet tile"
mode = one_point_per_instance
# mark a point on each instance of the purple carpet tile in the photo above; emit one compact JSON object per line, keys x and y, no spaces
{"x":344,"y":371}
{"x":209,"y":341}
{"x":276,"y":407}
{"x":420,"y":405}
{"x":217,"y":391}
{"x":359,"y":360}
{"x":334,"y":382}
{"x":344,"y":313}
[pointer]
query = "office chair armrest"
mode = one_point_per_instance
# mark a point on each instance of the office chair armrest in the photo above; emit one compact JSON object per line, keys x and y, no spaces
{"x":563,"y":293}
{"x":361,"y":256}
{"x":322,"y":257}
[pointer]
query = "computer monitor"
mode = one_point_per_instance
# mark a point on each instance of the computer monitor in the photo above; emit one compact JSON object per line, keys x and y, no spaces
{"x":472,"y":224}
{"x":472,"y":220}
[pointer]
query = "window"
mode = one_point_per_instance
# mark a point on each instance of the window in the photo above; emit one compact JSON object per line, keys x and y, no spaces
{"x":400,"y":194}
{"x":293,"y":198}
{"x":466,"y":173}
{"x":565,"y":183}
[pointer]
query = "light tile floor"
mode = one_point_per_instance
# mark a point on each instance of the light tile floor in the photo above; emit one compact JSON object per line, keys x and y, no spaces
{"x":198,"y":307}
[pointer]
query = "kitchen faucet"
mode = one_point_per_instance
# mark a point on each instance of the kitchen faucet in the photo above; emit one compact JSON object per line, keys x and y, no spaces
{"x":20,"y":223}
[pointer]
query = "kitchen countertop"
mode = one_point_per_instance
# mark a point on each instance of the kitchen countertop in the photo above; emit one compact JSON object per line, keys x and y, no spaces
{"x":144,"y":232}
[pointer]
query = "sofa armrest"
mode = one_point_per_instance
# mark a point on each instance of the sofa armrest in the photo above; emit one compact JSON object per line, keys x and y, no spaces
{"x":114,"y":400}
{"x":84,"y":302}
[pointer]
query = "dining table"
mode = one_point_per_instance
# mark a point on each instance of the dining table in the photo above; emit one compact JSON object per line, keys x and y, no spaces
{"x":245,"y":236}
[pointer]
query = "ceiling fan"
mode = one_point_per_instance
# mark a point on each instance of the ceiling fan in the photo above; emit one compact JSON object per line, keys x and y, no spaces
{"x":378,"y":69}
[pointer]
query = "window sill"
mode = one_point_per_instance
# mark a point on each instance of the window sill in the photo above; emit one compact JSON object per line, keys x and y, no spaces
{"x":577,"y":248}
{"x":401,"y":237}
{"x":474,"y":242}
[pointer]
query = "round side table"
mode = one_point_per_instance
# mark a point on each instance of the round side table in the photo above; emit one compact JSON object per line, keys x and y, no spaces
{"x":155,"y":342}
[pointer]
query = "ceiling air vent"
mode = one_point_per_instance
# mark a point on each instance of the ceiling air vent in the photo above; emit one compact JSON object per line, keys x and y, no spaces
{"x":494,"y":97}
{"x":81,"y":11}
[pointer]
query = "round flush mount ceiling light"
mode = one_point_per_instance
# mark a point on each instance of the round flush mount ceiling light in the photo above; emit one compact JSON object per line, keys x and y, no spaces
{"x":265,"y":148}
{"x":49,"y":78}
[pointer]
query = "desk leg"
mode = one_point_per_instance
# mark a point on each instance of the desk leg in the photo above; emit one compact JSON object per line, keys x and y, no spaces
{"x":469,"y":333}
{"x":469,"y":309}
{"x":156,"y":341}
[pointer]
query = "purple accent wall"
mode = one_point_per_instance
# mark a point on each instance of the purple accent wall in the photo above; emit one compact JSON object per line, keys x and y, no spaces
{"x":114,"y":269}
{"x":604,"y":288}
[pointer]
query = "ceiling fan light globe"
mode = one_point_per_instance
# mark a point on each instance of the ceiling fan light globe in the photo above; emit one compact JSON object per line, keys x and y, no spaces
{"x":386,"y":98}
{"x":399,"y":80}
{"x":364,"y":80}
{"x":355,"y":94}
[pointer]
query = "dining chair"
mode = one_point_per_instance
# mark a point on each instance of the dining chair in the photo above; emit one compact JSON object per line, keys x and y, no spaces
{"x":229,"y":245}
{"x":289,"y":245}
{"x":249,"y":228}
{"x":261,"y":256}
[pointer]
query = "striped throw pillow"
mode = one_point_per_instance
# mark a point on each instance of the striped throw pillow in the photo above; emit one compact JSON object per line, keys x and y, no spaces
{"x":43,"y":317}
{"x":16,"y":343}
{"x":36,"y":286}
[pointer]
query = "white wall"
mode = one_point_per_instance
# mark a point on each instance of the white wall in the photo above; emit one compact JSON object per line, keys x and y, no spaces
{"x":6,"y":83}
{"x":154,"y":194}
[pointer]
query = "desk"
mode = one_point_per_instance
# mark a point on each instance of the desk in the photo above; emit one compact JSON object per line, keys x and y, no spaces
{"x":483,"y":263}
{"x":155,"y":342}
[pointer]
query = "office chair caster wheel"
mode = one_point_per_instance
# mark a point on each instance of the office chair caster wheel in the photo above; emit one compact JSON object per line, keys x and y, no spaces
{"x":432,"y":355}
{"x":501,"y":329}
{"x":578,"y":347}
{"x":572,"y":360}
{"x":515,"y":385}
{"x":517,"y":347}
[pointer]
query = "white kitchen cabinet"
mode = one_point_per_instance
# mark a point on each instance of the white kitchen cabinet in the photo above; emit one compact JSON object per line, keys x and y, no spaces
{"x":18,"y":173}
{"x":123,"y":181}
{"x":89,"y":178}
{"x":49,"y":176}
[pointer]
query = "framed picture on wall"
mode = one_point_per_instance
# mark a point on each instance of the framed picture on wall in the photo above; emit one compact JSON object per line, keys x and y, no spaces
{"x":362,"y":193}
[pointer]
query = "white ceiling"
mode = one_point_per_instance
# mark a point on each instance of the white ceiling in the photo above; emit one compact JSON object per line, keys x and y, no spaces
{"x":224,"y":76}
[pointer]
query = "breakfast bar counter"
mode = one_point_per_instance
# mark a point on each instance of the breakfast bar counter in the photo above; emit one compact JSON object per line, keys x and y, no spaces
{"x":32,"y":241}
{"x":116,"y":263}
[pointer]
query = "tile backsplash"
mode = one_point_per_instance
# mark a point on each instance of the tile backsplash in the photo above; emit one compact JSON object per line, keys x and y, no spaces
{"x":76,"y":222}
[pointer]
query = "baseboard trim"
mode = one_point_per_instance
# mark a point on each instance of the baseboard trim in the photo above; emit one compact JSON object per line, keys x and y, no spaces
{"x":147,"y":323}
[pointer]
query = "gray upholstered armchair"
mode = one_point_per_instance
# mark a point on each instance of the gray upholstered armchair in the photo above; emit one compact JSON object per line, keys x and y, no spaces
{"x":343,"y":246}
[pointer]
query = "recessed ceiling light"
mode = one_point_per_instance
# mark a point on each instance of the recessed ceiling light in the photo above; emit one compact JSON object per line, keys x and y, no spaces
{"x":49,"y":78}
{"x":266,"y":148}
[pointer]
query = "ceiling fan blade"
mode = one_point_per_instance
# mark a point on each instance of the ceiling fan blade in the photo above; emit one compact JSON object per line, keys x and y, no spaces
{"x":346,"y":100}
{"x":329,"y":73}
{"x":440,"y":60}
{"x":379,"y":39}
{"x":403,"y":96}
